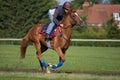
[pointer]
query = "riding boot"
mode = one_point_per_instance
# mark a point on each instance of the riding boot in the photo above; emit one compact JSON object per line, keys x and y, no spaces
{"x":47,"y":37}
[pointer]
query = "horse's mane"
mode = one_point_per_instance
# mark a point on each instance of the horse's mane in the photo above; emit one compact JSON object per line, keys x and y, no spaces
{"x":66,"y":15}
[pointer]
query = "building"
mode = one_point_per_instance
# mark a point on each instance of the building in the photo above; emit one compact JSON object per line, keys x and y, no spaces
{"x":98,"y":14}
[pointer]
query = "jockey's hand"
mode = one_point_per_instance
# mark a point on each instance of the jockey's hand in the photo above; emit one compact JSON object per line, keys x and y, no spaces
{"x":61,"y":25}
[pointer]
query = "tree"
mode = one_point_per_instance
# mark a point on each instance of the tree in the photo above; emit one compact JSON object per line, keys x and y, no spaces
{"x":113,"y":32}
{"x":78,"y":3}
{"x":18,"y":16}
{"x":112,"y":29}
{"x":115,"y":1}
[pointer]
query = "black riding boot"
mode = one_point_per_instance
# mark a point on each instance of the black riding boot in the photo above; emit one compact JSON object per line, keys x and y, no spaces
{"x":47,"y":37}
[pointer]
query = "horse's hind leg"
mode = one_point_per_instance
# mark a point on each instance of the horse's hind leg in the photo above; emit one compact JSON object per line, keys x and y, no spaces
{"x":38,"y":52}
{"x":39,"y":56}
{"x":43,"y":49}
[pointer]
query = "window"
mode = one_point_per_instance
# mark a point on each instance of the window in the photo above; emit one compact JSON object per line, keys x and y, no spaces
{"x":116,"y":16}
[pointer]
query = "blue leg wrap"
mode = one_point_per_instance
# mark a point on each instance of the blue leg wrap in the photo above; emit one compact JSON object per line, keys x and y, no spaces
{"x":58,"y":65}
{"x":43,"y":64}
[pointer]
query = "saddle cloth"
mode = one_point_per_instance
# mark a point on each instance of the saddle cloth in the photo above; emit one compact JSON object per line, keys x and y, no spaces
{"x":53,"y":32}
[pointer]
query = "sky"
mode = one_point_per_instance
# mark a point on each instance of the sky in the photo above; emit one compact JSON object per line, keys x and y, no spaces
{"x":62,"y":1}
{"x":105,"y":1}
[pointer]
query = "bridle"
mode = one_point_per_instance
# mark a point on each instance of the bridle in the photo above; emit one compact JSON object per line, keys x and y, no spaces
{"x":68,"y":26}
{"x":72,"y":19}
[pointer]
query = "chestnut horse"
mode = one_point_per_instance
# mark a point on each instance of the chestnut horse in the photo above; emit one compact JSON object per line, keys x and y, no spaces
{"x":60,"y":43}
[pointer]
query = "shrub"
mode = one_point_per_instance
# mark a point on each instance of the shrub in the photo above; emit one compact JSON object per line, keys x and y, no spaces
{"x":113,"y":32}
{"x":90,"y":32}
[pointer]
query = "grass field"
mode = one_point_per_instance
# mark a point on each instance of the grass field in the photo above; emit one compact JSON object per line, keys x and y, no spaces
{"x":82,"y":63}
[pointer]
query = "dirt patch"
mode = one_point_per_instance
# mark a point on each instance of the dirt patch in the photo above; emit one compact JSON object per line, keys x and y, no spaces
{"x":60,"y":71}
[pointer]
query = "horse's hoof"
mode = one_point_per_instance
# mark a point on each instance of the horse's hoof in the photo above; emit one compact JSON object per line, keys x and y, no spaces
{"x":49,"y":64}
{"x":47,"y":71}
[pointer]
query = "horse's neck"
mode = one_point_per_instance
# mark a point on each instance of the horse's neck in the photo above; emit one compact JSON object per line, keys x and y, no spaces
{"x":68,"y":26}
{"x":67,"y":31}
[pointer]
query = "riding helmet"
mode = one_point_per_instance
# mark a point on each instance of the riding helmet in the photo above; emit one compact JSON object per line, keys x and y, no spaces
{"x":67,"y":5}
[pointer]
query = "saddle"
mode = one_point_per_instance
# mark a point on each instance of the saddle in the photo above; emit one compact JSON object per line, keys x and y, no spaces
{"x":53,"y":32}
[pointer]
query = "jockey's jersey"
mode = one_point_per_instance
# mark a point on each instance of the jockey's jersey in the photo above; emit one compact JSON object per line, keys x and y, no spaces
{"x":58,"y":15}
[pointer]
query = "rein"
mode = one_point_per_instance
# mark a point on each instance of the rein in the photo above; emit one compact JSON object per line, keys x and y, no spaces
{"x":62,"y":35}
{"x":70,"y":24}
{"x":66,"y":28}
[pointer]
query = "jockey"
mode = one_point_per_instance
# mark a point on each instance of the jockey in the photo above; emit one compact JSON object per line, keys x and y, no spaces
{"x":56,"y":14}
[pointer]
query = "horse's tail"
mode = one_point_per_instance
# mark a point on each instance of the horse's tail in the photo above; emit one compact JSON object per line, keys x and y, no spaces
{"x":23,"y":47}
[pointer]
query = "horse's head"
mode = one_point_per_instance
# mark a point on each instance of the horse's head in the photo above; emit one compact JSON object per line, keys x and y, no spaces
{"x":75,"y":18}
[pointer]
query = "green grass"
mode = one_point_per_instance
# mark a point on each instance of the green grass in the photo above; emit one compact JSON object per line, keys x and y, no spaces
{"x":78,"y":59}
{"x":54,"y":76}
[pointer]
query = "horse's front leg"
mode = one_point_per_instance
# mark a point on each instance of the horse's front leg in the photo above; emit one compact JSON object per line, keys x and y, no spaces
{"x":39,"y":56}
{"x":61,"y":59}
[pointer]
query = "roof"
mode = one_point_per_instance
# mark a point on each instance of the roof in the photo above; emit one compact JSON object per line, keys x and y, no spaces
{"x":100,"y":13}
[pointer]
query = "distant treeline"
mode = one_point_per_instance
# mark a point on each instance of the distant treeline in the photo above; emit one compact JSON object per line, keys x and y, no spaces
{"x":18,"y":16}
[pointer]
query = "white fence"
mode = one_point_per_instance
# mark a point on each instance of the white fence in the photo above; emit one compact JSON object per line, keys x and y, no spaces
{"x":74,"y":42}
{"x":93,"y":42}
{"x":97,"y":40}
{"x":84,"y":40}
{"x":10,"y":39}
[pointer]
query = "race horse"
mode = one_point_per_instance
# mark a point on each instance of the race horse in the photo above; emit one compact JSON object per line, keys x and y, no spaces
{"x":59,"y":43}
